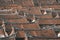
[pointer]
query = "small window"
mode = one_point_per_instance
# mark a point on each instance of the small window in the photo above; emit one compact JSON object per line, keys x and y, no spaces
{"x":54,"y":14}
{"x":35,"y":3}
{"x":2,"y":3}
{"x":44,"y":12}
{"x":17,"y":1}
{"x":50,"y":1}
{"x":46,"y":26}
{"x":57,"y":33}
{"x":28,"y":34}
{"x":0,"y":24}
{"x":29,"y":20}
{"x":10,"y":2}
{"x":58,"y":1}
{"x":19,"y":38}
{"x":42,"y":26}
{"x":21,"y":13}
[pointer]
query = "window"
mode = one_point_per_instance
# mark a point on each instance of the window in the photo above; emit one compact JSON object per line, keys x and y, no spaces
{"x":50,"y":1}
{"x":45,"y":12}
{"x":17,"y":1}
{"x":54,"y":14}
{"x":58,"y":1}
{"x":42,"y":11}
{"x":21,"y":13}
{"x":42,"y":26}
{"x":28,"y":34}
{"x":46,"y":26}
{"x":29,"y":20}
{"x":2,"y":3}
{"x":35,"y":3}
{"x":19,"y":38}
{"x":57,"y":33}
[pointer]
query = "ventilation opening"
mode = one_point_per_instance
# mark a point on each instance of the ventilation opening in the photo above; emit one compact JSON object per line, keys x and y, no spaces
{"x":19,"y":38}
